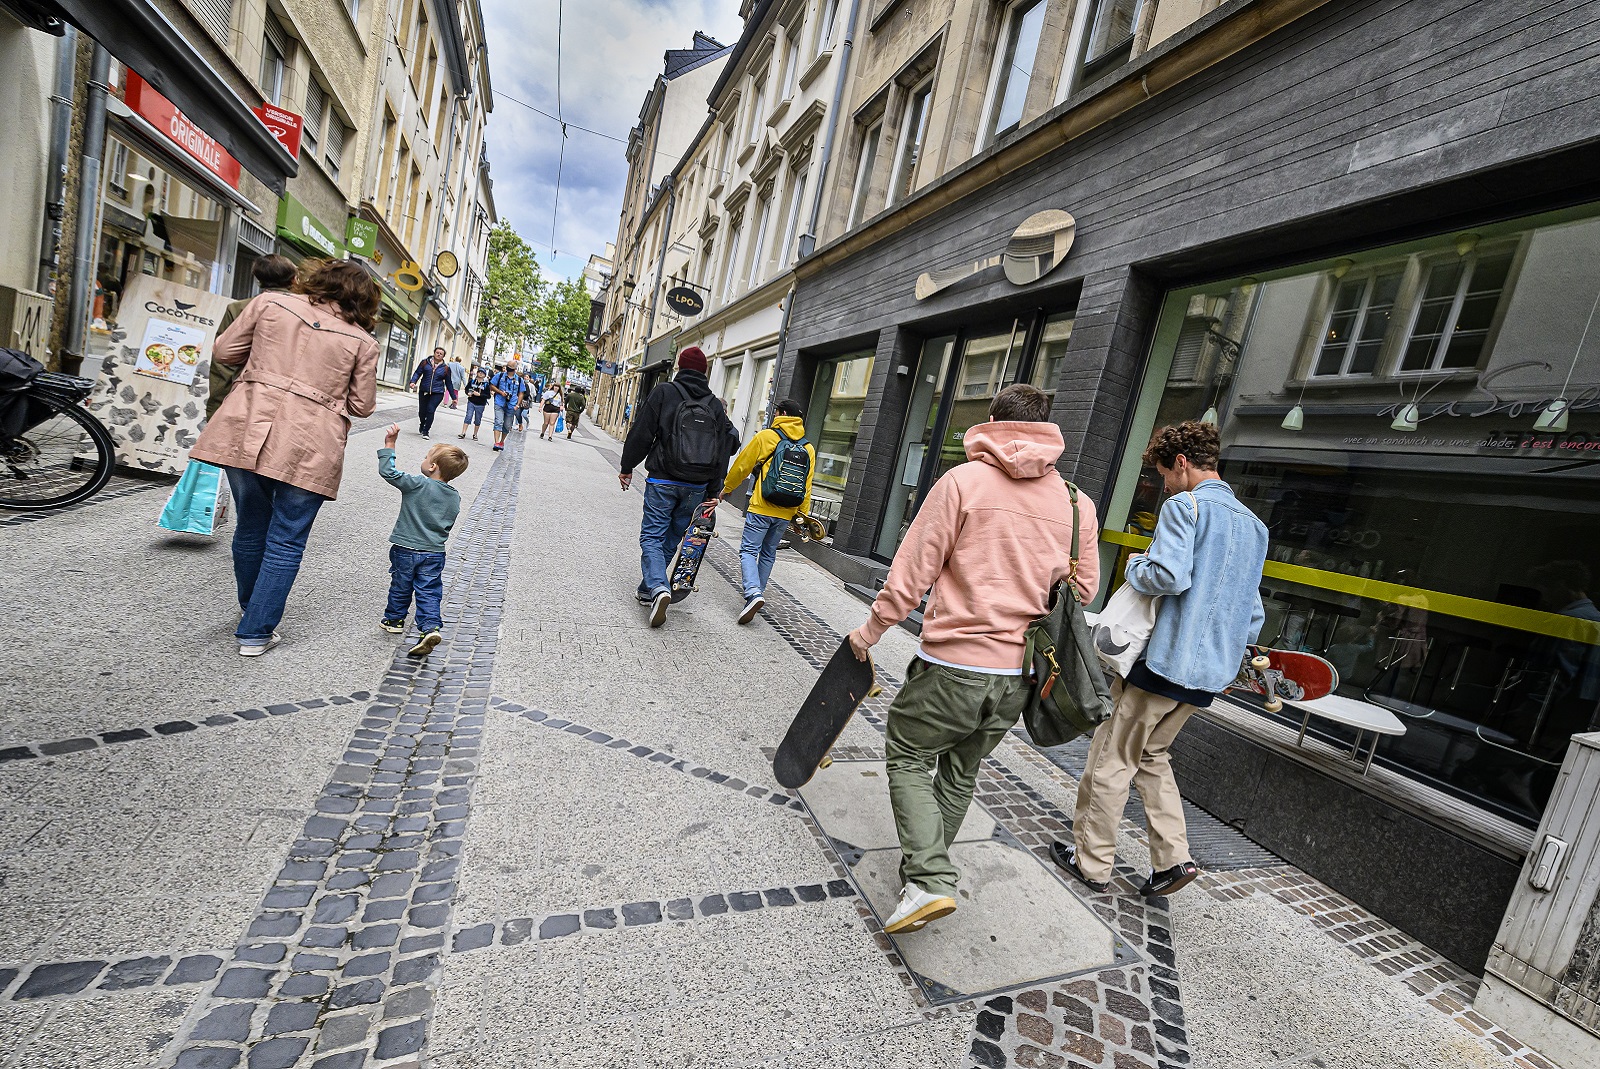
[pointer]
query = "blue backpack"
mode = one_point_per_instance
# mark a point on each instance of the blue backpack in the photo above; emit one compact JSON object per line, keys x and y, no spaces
{"x":783,"y":483}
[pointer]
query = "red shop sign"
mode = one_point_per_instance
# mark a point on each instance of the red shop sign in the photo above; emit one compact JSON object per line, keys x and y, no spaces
{"x":285,"y":125}
{"x":166,"y":118}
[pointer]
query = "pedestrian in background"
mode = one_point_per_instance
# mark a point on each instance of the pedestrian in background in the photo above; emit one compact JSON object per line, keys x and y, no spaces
{"x":782,"y":488}
{"x":309,"y":365}
{"x":432,"y":380}
{"x":550,"y":405}
{"x":683,"y":435}
{"x":478,"y":396}
{"x":508,"y":389}
{"x":429,"y":506}
{"x":525,"y":403}
{"x":274,"y":274}
{"x":1205,"y":563}
{"x":458,"y":378}
{"x":577,"y":401}
{"x":992,"y":539}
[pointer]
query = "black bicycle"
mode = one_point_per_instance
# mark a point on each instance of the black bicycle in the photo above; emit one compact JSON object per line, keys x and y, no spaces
{"x":53,"y":453}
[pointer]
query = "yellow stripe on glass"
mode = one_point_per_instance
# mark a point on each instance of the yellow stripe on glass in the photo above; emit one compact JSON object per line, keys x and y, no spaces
{"x":1487,"y":612}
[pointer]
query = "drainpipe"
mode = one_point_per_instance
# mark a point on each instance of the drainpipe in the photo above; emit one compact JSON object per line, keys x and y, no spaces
{"x":808,"y":240}
{"x":55,"y":207}
{"x":671,"y":190}
{"x":81,"y":296}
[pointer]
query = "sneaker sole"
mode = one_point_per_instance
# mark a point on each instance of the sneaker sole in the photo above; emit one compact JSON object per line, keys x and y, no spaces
{"x":425,"y":644}
{"x":929,"y":913}
{"x":257,"y":651}
{"x":658,"y":614}
{"x":1174,"y":887}
{"x":394,"y":629}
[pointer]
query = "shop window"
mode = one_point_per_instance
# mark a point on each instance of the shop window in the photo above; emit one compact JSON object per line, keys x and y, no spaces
{"x":1013,"y":67}
{"x":913,"y":128}
{"x":1110,"y":43}
{"x":1437,"y":540}
{"x":732,"y":370}
{"x":863,"y":182}
{"x":833,"y":422}
{"x":1052,"y":351}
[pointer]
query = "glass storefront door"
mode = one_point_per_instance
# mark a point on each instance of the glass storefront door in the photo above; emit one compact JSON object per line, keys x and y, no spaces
{"x":833,"y":421}
{"x":921,"y":415}
{"x":1419,"y":429}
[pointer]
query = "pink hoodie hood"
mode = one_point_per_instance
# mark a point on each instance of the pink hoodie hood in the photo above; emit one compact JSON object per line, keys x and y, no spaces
{"x":1021,"y":450}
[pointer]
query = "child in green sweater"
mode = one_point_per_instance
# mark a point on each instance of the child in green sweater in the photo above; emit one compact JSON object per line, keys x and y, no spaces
{"x":428,"y":509}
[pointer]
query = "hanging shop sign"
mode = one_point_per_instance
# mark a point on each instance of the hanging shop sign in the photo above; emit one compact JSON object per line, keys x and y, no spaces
{"x":1036,"y":248}
{"x":446,"y":264}
{"x":161,"y":113}
{"x":151,"y":391}
{"x":286,"y":126}
{"x":305,"y":231}
{"x":361,"y":237}
{"x":685,"y":301}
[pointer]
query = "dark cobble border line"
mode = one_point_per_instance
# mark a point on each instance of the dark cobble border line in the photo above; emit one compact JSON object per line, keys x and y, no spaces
{"x":344,"y":952}
{"x":25,"y":751}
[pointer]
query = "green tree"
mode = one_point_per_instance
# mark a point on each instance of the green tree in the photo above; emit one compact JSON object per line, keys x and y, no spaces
{"x":514,"y":290}
{"x":563,"y":326}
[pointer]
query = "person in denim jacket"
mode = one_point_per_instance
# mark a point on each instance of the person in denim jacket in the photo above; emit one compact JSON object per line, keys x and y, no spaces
{"x":1205,"y":565}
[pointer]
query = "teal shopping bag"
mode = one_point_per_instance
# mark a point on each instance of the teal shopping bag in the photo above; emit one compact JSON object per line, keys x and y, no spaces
{"x":199,"y":503}
{"x":561,"y":423}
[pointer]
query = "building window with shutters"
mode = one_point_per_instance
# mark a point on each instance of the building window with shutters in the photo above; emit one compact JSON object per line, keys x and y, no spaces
{"x":311,"y":131}
{"x":276,"y":47}
{"x":215,"y":15}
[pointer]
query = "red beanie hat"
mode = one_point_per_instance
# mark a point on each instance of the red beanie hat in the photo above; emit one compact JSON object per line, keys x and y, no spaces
{"x":692,"y":359}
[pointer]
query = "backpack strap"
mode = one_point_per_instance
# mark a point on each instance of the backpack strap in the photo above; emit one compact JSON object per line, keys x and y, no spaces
{"x":1072,"y":569}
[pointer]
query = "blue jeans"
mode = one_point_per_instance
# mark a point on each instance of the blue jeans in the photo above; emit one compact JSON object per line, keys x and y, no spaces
{"x":427,"y":405}
{"x":272,"y":521}
{"x":503,"y":414}
{"x":758,"y":549}
{"x":667,"y":512}
{"x":413,"y":572}
{"x":474,"y":416}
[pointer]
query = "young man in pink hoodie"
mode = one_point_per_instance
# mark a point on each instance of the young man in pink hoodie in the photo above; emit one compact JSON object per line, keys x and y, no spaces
{"x":991,"y":539}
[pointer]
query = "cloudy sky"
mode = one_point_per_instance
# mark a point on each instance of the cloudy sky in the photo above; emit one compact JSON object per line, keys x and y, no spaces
{"x":611,"y":52}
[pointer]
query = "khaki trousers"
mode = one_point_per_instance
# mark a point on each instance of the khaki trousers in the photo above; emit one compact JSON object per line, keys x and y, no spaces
{"x":1131,"y":746}
{"x":944,"y":721}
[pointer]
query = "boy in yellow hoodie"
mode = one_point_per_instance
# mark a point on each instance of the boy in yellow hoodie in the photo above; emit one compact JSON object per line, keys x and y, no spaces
{"x":783,"y":462}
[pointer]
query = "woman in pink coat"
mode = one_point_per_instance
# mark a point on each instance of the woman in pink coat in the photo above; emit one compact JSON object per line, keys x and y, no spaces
{"x":310,"y":363}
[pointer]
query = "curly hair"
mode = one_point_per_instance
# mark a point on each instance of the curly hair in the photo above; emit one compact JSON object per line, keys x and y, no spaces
{"x":344,"y":284}
{"x":1196,"y":441}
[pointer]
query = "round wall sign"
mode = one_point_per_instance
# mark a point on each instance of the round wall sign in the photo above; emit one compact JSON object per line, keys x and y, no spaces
{"x":446,"y":264}
{"x":685,"y":301}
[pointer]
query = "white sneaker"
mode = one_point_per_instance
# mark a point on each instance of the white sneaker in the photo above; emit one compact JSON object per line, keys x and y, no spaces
{"x":917,"y":908}
{"x":752,"y":607}
{"x":258,"y":650}
{"x":658,"y":607}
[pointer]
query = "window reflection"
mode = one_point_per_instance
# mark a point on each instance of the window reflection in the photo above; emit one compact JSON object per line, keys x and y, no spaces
{"x":1444,"y":563}
{"x":833,"y":421}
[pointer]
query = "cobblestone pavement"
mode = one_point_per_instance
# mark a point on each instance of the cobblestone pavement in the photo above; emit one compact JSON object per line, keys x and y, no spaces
{"x":556,"y":842}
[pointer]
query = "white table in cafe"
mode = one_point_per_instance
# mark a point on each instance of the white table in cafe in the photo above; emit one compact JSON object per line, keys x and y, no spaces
{"x":1363,"y":716}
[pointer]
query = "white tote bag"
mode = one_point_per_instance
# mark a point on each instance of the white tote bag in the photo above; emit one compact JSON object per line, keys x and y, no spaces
{"x":1122,"y":629}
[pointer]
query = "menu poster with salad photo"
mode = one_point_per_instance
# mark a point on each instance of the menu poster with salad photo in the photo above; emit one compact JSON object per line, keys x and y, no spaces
{"x":170,"y":351}
{"x":151,"y":386}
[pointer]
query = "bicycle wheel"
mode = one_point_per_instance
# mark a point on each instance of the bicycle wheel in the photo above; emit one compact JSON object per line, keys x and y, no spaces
{"x":61,"y":460}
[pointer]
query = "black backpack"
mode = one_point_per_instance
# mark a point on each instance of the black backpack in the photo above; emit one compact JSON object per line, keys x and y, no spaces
{"x":694,"y":445}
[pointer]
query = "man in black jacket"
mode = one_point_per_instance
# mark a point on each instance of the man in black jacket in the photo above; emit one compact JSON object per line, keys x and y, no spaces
{"x":687,"y":466}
